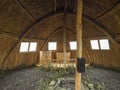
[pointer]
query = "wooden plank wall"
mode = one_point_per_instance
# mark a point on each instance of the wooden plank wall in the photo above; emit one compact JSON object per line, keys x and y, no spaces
{"x":107,"y":58}
{"x":18,"y":59}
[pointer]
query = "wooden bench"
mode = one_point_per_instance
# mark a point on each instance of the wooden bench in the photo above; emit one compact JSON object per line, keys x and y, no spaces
{"x":60,"y":56}
{"x":45,"y":57}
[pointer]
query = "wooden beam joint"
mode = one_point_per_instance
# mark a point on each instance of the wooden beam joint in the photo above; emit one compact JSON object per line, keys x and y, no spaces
{"x":55,"y":5}
{"x":17,"y":2}
{"x":11,"y":35}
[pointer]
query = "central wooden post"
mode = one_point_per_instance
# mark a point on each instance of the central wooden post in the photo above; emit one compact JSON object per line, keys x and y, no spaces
{"x":64,"y":46}
{"x":79,"y":42}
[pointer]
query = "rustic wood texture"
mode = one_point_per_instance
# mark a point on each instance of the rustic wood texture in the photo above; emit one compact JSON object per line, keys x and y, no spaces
{"x":12,"y":18}
{"x":18,"y":58}
{"x":45,"y":57}
{"x":95,"y":8}
{"x":79,"y":34}
{"x":42,"y":21}
{"x":60,"y":55}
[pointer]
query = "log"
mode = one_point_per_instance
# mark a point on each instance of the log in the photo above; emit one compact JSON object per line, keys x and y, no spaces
{"x":55,"y":5}
{"x":11,"y":35}
{"x":64,"y":46}
{"x":79,"y":42}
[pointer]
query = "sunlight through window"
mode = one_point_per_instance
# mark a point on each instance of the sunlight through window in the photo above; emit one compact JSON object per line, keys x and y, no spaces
{"x":33,"y":46}
{"x":73,"y":45}
{"x":104,"y":44}
{"x":24,"y":46}
{"x":94,"y":44}
{"x":52,"y":45}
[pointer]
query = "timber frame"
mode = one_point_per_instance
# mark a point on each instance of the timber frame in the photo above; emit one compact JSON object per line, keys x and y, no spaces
{"x":24,"y":20}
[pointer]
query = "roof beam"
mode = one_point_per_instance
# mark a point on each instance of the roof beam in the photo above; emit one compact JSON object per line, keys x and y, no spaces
{"x":34,"y":39}
{"x":117,"y":4}
{"x":24,"y":34}
{"x":75,"y":6}
{"x":48,"y":15}
{"x":104,"y":30}
{"x":59,"y":28}
{"x":11,"y":35}
{"x":55,"y":5}
{"x":17,"y":2}
{"x":117,"y":36}
{"x":66,"y":3}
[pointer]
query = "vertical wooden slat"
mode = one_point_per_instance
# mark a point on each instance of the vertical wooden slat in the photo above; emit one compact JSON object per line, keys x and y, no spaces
{"x":64,"y":46}
{"x":55,"y":5}
{"x":40,"y":57}
{"x":79,"y":42}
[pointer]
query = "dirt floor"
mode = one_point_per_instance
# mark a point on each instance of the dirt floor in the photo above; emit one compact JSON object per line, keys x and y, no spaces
{"x":111,"y":78}
{"x":29,"y":78}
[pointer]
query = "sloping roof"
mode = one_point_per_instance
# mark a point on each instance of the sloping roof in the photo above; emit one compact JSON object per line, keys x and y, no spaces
{"x":21,"y":18}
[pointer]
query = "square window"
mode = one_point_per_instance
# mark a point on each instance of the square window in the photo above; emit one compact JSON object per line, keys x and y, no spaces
{"x":33,"y":46}
{"x":73,"y":45}
{"x":24,"y":46}
{"x":52,"y":45}
{"x":94,"y":44}
{"x":104,"y":44}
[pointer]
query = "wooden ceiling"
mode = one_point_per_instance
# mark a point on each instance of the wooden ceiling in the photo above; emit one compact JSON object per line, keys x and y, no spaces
{"x":21,"y":19}
{"x":16,"y":16}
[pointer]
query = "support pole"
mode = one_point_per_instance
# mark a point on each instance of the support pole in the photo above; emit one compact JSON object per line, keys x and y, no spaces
{"x":79,"y":42}
{"x":64,"y":36}
{"x":64,"y":46}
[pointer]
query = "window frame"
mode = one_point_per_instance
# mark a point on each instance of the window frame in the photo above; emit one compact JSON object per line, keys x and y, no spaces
{"x":98,"y":48}
{"x":75,"y":45}
{"x":102,"y":46}
{"x":22,"y":46}
{"x":55,"y":46}
{"x":28,"y":49}
{"x":99,"y":44}
{"x":30,"y":46}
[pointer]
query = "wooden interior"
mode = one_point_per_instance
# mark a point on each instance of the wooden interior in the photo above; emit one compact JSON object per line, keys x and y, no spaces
{"x":43,"y":21}
{"x":60,"y":55}
{"x":45,"y":57}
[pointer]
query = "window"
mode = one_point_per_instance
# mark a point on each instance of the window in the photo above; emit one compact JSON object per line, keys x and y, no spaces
{"x":104,"y":44}
{"x":73,"y":45}
{"x":33,"y":46}
{"x":94,"y":44}
{"x":52,"y":45}
{"x":24,"y":46}
{"x":28,"y":46}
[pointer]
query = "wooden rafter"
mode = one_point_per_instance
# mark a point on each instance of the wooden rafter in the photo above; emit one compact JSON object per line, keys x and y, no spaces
{"x":29,"y":29}
{"x":117,"y":4}
{"x":34,"y":39}
{"x":75,"y":6}
{"x":17,"y":2}
{"x":23,"y":35}
{"x":59,"y":28}
{"x":11,"y":35}
{"x":104,"y":30}
{"x":95,"y":36}
{"x":66,"y":3}
{"x":55,"y":5}
{"x":117,"y":36}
